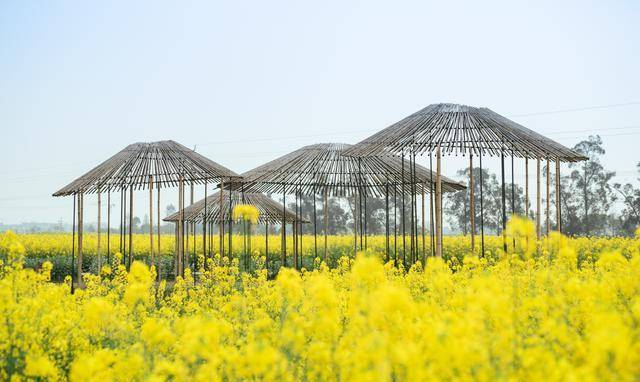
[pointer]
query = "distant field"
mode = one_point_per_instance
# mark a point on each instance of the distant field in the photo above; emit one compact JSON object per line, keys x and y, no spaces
{"x":56,"y":248}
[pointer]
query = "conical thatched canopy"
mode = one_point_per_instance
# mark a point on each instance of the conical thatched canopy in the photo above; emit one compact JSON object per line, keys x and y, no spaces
{"x":317,"y":168}
{"x":270,"y":210}
{"x":459,"y":129}
{"x":166,"y":161}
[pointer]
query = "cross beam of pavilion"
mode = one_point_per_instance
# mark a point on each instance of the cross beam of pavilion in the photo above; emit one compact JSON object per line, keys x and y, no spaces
{"x":139,"y":166}
{"x":460,"y":129}
{"x":322,"y":169}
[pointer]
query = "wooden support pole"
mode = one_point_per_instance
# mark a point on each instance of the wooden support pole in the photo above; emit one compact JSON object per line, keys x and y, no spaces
{"x":315,"y":225}
{"x":130,"y":226}
{"x":548,"y":195}
{"x":123,"y":224}
{"x":192,"y":227}
{"x":159,"y":252}
{"x":424,"y":243}
{"x":221,"y":228}
{"x":99,"y":253}
{"x":504,"y":205}
{"x":472,"y":213}
{"x":402,"y":214}
{"x":80,"y":238}
{"x":151,"y":248}
{"x":109,"y":227}
{"x":438,"y":204}
{"x":481,"y":206}
{"x":180,"y":228}
{"x":432,"y":237}
{"x":526,"y":187}
{"x":538,"y":201}
{"x":230,"y":218}
{"x":325,"y":207}
{"x":558,"y":207}
{"x":73,"y":244}
{"x":284,"y":226}
{"x":386,"y":217}
{"x":266,"y":244}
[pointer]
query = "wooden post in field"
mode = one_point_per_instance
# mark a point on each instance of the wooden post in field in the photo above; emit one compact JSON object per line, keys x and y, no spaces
{"x":130,"y":225}
{"x":180,"y":227}
{"x":472,"y":214}
{"x":80,"y":231}
{"x":192,"y":231}
{"x":526,"y":187}
{"x":152,"y":252}
{"x":109,"y":227}
{"x":159,"y":253}
{"x":438,"y":204}
{"x":221,"y":228}
{"x":99,"y":254}
{"x":548,"y":195}
{"x":558,"y":207}
{"x":325,"y":208}
{"x":538,"y":201}
{"x":424,"y":236}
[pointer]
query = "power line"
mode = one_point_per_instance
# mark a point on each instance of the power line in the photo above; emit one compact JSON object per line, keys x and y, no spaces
{"x":576,"y":109}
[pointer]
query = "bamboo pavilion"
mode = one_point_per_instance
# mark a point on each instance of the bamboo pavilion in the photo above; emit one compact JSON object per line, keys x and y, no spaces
{"x":219,"y":207}
{"x":452,"y":129}
{"x":140,"y":166}
{"x":322,"y":169}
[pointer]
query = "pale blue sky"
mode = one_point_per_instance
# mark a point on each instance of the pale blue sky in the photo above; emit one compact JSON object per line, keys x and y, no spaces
{"x":249,"y":81}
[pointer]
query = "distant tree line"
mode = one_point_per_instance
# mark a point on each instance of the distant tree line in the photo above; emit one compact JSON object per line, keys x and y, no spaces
{"x":588,"y":198}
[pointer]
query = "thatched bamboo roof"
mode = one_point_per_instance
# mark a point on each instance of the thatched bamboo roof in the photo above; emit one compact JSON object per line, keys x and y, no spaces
{"x":321,"y":167}
{"x":166,"y":161}
{"x":270,"y":210}
{"x":459,"y":129}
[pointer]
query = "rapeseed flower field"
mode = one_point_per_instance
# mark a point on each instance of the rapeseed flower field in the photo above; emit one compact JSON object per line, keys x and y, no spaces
{"x":560,"y":309}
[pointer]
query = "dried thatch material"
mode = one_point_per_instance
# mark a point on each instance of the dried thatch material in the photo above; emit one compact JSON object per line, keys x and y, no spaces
{"x":320,"y":168}
{"x":459,"y":129}
{"x":166,"y":161}
{"x":270,"y":210}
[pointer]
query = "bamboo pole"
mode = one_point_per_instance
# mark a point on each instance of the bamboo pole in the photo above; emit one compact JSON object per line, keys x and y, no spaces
{"x":432,"y":244}
{"x":159,"y":253}
{"x":192,"y":228}
{"x":526,"y":187}
{"x":99,"y":253}
{"x":558,"y":207}
{"x":187,"y":233}
{"x":438,"y":204}
{"x":315,"y":225}
{"x":424,"y":244}
{"x":472,"y":214}
{"x":221,"y":228}
{"x":504,"y":205}
{"x":180,"y":228}
{"x":130,"y":225}
{"x":109,"y":227}
{"x":73,"y":244}
{"x":80,"y":239}
{"x":284,"y":226}
{"x":266,"y":244}
{"x":153,"y":254}
{"x":548,"y":195}
{"x":205,"y":253}
{"x":326,"y":222}
{"x":538,"y":201}
{"x":481,"y":206}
